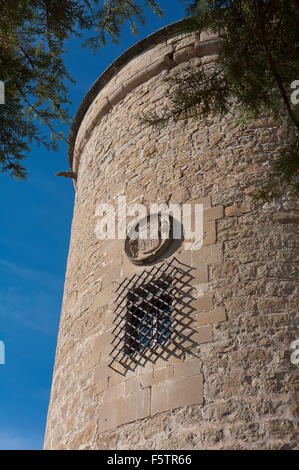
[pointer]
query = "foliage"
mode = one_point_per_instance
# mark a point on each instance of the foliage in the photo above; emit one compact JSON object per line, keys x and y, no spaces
{"x":32,"y":44}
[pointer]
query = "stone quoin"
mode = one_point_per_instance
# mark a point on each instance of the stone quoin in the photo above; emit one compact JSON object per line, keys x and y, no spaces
{"x":219,"y":376}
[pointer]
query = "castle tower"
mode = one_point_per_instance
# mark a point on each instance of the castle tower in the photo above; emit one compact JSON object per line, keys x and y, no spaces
{"x":161,"y":346}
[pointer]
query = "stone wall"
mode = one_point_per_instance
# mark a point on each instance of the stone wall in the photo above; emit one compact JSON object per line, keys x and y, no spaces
{"x":234,"y":386}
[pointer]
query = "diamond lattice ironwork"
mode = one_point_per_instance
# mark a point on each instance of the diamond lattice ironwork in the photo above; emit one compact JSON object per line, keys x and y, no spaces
{"x":152,"y":314}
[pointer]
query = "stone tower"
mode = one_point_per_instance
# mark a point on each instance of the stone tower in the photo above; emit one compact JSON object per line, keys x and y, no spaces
{"x":217,"y":373}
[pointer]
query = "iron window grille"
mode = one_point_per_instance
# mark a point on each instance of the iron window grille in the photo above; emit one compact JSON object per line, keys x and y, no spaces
{"x":149,"y":316}
{"x":152,"y":313}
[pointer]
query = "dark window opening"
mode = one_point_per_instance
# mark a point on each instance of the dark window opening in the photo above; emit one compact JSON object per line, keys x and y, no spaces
{"x":149,"y":316}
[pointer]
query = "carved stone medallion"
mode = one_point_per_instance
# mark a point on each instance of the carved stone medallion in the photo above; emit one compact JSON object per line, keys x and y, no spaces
{"x":148,"y":239}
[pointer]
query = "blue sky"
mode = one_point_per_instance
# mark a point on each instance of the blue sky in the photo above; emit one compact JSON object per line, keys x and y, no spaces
{"x":35,"y":223}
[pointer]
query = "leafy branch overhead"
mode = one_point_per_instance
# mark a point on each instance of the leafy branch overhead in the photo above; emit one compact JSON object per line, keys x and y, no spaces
{"x":32,"y":44}
{"x":255,"y":67}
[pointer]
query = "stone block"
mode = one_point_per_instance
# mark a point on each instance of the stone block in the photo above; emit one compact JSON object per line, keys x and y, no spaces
{"x":104,"y":297}
{"x":203,"y":335}
{"x":102,"y":371}
{"x":159,"y":53}
{"x":176,"y":394}
{"x":213,"y":316}
{"x":211,"y":254}
{"x":108,"y":418}
{"x":183,"y":55}
{"x":102,"y":108}
{"x":146,"y":379}
{"x":187,"y":369}
{"x":205,"y":302}
{"x":103,"y":342}
{"x":125,"y":410}
{"x":93,"y":359}
{"x":129,"y":269}
{"x":114,"y":251}
{"x":134,"y":81}
{"x":213,"y":213}
{"x":157,"y":66}
{"x":189,"y":40}
{"x":117,"y":95}
{"x":207,"y":48}
{"x":117,"y":378}
{"x":235,"y":210}
{"x":200,"y":275}
{"x":208,"y":34}
{"x":101,"y":386}
{"x":132,"y":385}
{"x":111,"y":273}
{"x":185,"y":257}
{"x":205,"y":201}
{"x":159,"y":401}
{"x":210,"y":237}
{"x":114,"y":393}
{"x":162,"y":374}
{"x":286,"y":218}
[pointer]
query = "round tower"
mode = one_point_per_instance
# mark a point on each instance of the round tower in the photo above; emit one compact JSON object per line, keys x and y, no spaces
{"x":173,"y":342}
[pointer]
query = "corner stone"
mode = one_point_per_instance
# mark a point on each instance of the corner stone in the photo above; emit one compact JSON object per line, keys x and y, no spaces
{"x":177,"y":394}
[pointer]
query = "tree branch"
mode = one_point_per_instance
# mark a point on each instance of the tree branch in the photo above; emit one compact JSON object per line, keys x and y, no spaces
{"x":273,"y":67}
{"x":44,"y":120}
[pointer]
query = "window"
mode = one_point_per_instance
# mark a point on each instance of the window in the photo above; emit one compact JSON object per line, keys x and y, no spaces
{"x":152,"y":315}
{"x":149,"y":316}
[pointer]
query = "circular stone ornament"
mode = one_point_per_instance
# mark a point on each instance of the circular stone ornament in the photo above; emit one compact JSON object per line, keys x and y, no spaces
{"x":149,"y":238}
